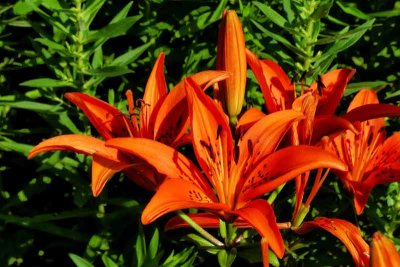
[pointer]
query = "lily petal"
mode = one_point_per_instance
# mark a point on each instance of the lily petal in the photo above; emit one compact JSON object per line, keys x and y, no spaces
{"x":171,"y":122}
{"x":335,"y":83}
{"x":248,"y":119}
{"x":212,"y":139}
{"x":330,"y":125}
{"x":385,"y":166}
{"x":106,"y":160}
{"x":275,"y":84}
{"x":102,"y":170}
{"x":83,"y":144}
{"x":361,"y":191}
{"x":263,"y":138}
{"x":307,"y":104}
{"x":283,"y":165}
{"x":155,"y":91}
{"x":260,"y":215}
{"x":347,"y":233}
{"x":372,"y":111}
{"x":231,"y":57}
{"x":108,"y":121}
{"x":383,"y":251}
{"x":177,"y":194}
{"x":204,"y":219}
{"x":166,"y":160}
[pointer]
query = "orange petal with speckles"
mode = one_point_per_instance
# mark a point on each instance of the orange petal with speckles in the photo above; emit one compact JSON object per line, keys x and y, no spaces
{"x":171,"y":122}
{"x":212,"y":139}
{"x":177,"y":194}
{"x":108,"y":121}
{"x":283,"y":165}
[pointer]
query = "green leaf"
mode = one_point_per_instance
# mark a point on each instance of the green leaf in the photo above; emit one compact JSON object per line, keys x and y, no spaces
{"x":50,"y":44}
{"x":351,"y":9}
{"x":123,"y":13}
{"x":154,"y":243}
{"x":342,"y":35}
{"x":10,"y":145}
{"x":322,"y":10}
{"x":47,"y":82}
{"x":217,"y":14}
{"x":67,"y":122}
{"x":279,"y":39}
{"x":49,"y":19}
{"x":386,"y":14}
{"x":108,"y":262}
{"x":34,"y":106}
{"x":131,"y":56}
{"x":91,"y":11}
{"x":110,"y":71}
{"x":288,"y":9}
{"x":226,"y":258}
{"x":111,"y":30}
{"x":343,"y":44}
{"x":375,"y":85}
{"x":199,"y":240}
{"x":140,"y":247}
{"x":273,"y":259}
{"x":79,"y":261}
{"x":97,"y":61}
{"x":22,"y":8}
{"x":185,"y":258}
{"x":271,"y":14}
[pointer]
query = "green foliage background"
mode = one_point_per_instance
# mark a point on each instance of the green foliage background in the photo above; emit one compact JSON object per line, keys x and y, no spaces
{"x":48,"y":47}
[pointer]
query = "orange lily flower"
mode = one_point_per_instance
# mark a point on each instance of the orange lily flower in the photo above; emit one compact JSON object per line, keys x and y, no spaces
{"x":231,"y":57}
{"x":383,"y":252}
{"x":348,"y":233}
{"x":370,"y":158}
{"x":279,"y":93}
{"x":162,"y":117}
{"x":318,"y":102}
{"x":234,"y":174}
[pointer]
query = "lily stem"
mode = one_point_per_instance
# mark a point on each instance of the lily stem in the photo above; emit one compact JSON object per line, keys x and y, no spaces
{"x":199,"y":229}
{"x":300,"y":216}
{"x":275,"y":194}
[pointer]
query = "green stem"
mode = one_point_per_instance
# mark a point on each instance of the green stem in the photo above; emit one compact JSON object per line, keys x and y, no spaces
{"x":199,"y":229}
{"x":79,"y":49}
{"x":275,"y":194}
{"x":233,"y":121}
{"x":300,"y":216}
